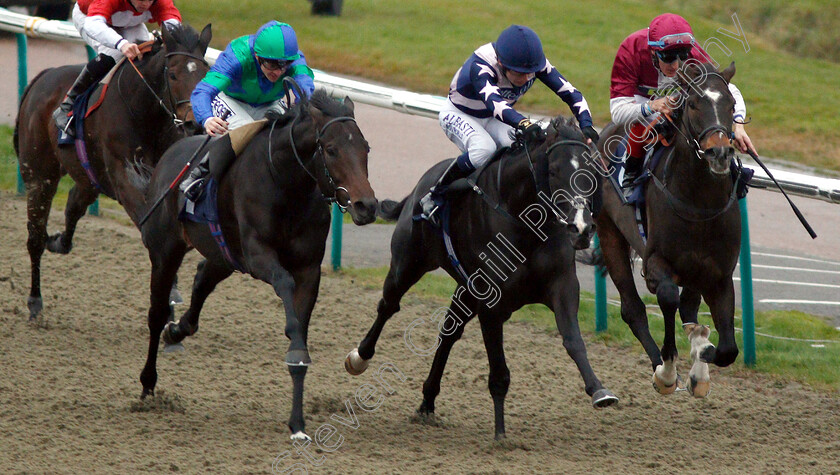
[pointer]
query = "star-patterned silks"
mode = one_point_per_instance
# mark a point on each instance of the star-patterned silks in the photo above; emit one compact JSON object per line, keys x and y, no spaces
{"x":488,"y":90}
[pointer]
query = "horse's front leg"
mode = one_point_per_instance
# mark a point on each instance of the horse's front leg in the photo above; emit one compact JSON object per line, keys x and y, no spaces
{"x":566,"y":301}
{"x":307,"y":283}
{"x":660,"y":280}
{"x":78,"y":200}
{"x":499,"y":379}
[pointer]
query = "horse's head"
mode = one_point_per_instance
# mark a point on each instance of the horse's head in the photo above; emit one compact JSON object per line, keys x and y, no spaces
{"x":345,"y":153}
{"x":705,"y":111}
{"x":184,"y":68}
{"x":572,"y":180}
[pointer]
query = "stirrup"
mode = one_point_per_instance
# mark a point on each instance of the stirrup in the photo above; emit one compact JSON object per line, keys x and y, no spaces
{"x":429,"y":207}
{"x":194,"y":190}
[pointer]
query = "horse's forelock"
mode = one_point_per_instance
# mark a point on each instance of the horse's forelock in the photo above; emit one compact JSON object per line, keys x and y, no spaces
{"x":566,"y":128}
{"x":329,"y":106}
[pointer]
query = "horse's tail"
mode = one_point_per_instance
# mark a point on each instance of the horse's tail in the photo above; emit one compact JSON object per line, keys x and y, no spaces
{"x":390,"y":210}
{"x":17,"y":119}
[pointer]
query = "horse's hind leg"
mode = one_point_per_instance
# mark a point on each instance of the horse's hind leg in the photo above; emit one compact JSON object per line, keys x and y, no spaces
{"x":78,"y":201}
{"x":499,"y":379}
{"x":461,"y":310}
{"x":166,"y":259}
{"x":208,"y":275}
{"x":39,"y":195}
{"x":566,"y":302}
{"x":617,"y":258}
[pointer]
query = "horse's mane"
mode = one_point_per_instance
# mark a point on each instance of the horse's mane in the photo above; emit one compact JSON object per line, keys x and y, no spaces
{"x":565,"y":128}
{"x":329,"y":106}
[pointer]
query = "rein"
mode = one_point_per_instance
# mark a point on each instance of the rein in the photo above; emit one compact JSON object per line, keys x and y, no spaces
{"x":145,"y":48}
{"x":319,"y":150}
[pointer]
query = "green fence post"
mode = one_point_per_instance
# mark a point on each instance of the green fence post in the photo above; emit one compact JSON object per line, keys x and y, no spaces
{"x":337,"y":223}
{"x":747,"y":312}
{"x":600,"y":294}
{"x":93,"y":209}
{"x":22,"y":80}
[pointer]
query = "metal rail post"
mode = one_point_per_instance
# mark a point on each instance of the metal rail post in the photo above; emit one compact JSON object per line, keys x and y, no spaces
{"x":747,"y":312}
{"x":600,"y":294}
{"x":22,"y":80}
{"x":337,"y":223}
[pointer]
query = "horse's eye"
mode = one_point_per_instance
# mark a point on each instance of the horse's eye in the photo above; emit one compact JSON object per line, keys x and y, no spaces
{"x":692,"y":104}
{"x":172,"y":76}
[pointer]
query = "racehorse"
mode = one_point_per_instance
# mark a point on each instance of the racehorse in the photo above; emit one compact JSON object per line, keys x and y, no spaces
{"x":551,"y":191}
{"x":144,"y":111}
{"x":274,"y":219}
{"x":693,"y":231}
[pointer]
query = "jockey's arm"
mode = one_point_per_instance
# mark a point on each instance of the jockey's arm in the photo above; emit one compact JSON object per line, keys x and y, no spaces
{"x":96,"y":26}
{"x":740,"y":137}
{"x":552,"y":78}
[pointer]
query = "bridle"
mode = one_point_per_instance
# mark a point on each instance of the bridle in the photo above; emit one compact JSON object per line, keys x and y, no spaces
{"x":541,"y":179}
{"x":319,"y":151}
{"x":176,"y":121}
{"x":693,"y":139}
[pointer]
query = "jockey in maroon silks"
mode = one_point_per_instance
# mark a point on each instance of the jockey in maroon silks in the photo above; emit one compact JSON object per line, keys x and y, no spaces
{"x":643,"y":75}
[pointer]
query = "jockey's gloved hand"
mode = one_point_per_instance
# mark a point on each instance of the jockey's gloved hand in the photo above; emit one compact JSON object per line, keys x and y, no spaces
{"x":529,"y":131}
{"x":591,"y":134}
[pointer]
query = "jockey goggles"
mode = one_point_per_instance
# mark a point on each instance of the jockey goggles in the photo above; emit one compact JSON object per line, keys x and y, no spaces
{"x":273,"y":64}
{"x":669,"y":56}
{"x":673,"y":41}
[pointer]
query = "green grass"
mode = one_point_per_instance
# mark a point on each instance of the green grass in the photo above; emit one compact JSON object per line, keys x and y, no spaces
{"x":419,"y":46}
{"x":783,"y":359}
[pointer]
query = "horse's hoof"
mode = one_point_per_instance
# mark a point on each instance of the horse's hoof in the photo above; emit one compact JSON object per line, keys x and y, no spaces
{"x":603,"y":398}
{"x":175,"y":297}
{"x":500,"y":436}
{"x":300,"y":435}
{"x":354,"y":363}
{"x":35,"y":305}
{"x":147,"y":392}
{"x":54,"y":245}
{"x":298,"y":358}
{"x":173,"y":347}
{"x":699,"y":388}
{"x":169,"y":334}
{"x":661,"y":387}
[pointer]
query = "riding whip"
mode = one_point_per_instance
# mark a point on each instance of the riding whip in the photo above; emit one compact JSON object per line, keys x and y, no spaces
{"x":174,"y":182}
{"x":793,"y":206}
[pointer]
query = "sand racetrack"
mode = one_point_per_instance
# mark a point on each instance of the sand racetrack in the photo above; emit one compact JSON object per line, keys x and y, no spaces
{"x":69,"y":387}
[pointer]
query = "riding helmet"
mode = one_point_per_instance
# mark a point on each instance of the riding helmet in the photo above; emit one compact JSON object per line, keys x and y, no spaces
{"x":519,"y":48}
{"x":276,"y":40}
{"x":670,"y":31}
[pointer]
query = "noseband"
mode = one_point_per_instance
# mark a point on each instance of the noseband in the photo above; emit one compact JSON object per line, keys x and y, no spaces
{"x":319,"y":150}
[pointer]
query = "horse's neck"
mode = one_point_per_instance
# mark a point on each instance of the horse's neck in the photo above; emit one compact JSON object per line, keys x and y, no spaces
{"x":158,"y":128}
{"x":518,"y":189}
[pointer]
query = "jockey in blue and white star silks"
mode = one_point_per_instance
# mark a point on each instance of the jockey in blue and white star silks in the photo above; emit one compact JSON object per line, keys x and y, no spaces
{"x":479,"y":117}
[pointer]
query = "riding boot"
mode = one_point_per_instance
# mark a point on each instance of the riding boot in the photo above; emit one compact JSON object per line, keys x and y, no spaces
{"x":193,"y":185}
{"x":95,"y":70}
{"x":459,"y":168}
{"x":632,"y":168}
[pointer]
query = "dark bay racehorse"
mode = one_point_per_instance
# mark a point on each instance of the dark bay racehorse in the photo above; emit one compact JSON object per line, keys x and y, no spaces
{"x":693,"y":232}
{"x":531,"y":247}
{"x":274,"y":218}
{"x":138,"y":120}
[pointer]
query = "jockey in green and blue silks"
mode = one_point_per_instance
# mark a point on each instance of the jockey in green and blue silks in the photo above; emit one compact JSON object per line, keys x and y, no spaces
{"x":246,"y":79}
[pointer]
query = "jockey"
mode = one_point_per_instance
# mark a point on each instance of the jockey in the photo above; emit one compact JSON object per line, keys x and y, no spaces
{"x":113,"y":28}
{"x":644,"y":70}
{"x":244,"y":84}
{"x":478,"y":115}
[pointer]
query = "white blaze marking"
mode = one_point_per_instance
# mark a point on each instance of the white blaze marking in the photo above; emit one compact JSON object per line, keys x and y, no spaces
{"x":579,"y":222}
{"x":575,"y":163}
{"x":191,"y":67}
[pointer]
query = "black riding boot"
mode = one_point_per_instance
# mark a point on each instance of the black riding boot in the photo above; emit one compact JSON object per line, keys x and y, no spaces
{"x":434,"y":198}
{"x":95,"y":70}
{"x":632,"y":168}
{"x":193,"y":185}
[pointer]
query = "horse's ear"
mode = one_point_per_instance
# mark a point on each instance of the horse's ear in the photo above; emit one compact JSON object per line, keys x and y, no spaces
{"x":168,"y":39}
{"x":728,"y":72}
{"x":204,"y":38}
{"x":348,"y":103}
